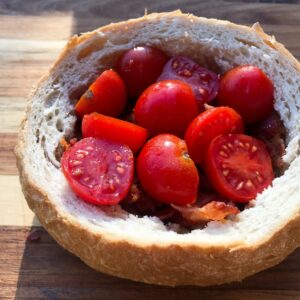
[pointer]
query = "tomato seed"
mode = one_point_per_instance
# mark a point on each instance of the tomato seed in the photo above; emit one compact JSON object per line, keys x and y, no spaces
{"x":75,"y":163}
{"x":118,"y":157}
{"x":249,"y":183}
{"x":77,"y":172}
{"x":224,"y":147}
{"x":240,"y":185}
{"x":187,"y":73}
{"x":224,"y":154}
{"x":120,"y":170}
{"x":225,"y":172}
{"x":83,"y":152}
{"x":254,"y":149}
{"x":259,"y":178}
{"x":202,"y":91}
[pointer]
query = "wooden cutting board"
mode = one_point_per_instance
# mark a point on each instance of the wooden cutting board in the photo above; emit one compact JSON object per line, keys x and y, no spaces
{"x":32,"y":33}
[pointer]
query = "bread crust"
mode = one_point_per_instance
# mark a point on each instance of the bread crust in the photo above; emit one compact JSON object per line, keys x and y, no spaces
{"x":170,"y":264}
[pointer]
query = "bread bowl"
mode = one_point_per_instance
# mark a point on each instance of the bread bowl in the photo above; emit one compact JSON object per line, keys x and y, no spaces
{"x":114,"y":242}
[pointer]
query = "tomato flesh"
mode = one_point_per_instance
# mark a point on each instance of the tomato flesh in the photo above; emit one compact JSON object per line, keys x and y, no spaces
{"x":139,"y":67}
{"x":106,"y":95}
{"x":209,"y":124}
{"x":249,"y":91}
{"x":166,"y":171}
{"x":238,"y":166}
{"x":166,"y":107}
{"x":204,"y":83}
{"x":99,"y":171}
{"x":97,"y":125}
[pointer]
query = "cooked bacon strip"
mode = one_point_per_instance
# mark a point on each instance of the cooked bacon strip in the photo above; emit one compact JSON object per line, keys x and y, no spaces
{"x":212,"y":211}
{"x":65,"y":145}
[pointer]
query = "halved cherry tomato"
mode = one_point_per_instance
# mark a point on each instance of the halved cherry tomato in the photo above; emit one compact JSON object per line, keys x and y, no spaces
{"x":99,"y":171}
{"x":166,"y":107}
{"x":112,"y":129}
{"x":166,"y":171}
{"x":140,"y":67}
{"x":204,"y":83}
{"x":207,"y":126}
{"x":106,"y":95}
{"x":249,"y":91}
{"x":238,"y":166}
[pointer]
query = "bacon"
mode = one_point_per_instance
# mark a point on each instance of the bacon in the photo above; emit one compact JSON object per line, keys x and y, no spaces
{"x":64,"y":144}
{"x":212,"y":211}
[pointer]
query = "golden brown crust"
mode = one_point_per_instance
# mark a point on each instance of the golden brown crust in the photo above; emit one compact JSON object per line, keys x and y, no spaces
{"x":166,"y":265}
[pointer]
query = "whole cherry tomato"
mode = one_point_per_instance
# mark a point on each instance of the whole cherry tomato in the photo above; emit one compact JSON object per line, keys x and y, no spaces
{"x":139,"y":67}
{"x":249,"y":91}
{"x":209,"y":124}
{"x":166,"y":107}
{"x":238,"y":166}
{"x":204,"y":83}
{"x":106,"y":95}
{"x":112,"y":129}
{"x":166,"y":171}
{"x":99,"y":171}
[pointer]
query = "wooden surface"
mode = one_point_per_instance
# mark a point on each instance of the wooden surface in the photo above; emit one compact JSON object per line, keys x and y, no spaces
{"x":32,"y":33}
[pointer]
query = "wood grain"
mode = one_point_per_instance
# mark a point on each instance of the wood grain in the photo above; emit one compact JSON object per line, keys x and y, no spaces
{"x":32,"y":33}
{"x":43,"y":270}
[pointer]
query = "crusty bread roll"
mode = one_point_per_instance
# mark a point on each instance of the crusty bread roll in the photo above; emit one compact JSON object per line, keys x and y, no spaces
{"x":115,"y":242}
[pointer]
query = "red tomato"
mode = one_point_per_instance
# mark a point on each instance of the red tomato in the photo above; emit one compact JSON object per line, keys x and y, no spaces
{"x":97,"y":125}
{"x":249,"y":91}
{"x":166,"y":171}
{"x":106,"y":95}
{"x":207,"y":126}
{"x":166,"y":107}
{"x":238,"y":166}
{"x":204,"y":83}
{"x":140,"y":67}
{"x":99,"y":171}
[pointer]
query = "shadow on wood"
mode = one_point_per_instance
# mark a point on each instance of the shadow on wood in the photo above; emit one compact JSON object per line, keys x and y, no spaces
{"x":47,"y":271}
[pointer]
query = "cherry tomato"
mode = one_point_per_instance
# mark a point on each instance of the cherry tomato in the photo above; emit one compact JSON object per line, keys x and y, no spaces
{"x":249,"y":91}
{"x":166,"y":107}
{"x":112,"y":129}
{"x":99,"y":171}
{"x":238,"y":166}
{"x":204,"y":83}
{"x":166,"y":171}
{"x":207,"y":126}
{"x":106,"y":95}
{"x":140,"y":67}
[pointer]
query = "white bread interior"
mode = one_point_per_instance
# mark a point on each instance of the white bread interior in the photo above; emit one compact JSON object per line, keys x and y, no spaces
{"x":219,"y":45}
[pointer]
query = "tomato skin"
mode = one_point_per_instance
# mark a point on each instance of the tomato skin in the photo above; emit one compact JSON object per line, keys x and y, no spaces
{"x":106,"y":95}
{"x":99,"y":171}
{"x":139,"y":67}
{"x":112,"y":129}
{"x":209,"y":124}
{"x":166,"y":171}
{"x":204,"y":83}
{"x":249,"y":91}
{"x":166,"y":107}
{"x":238,"y":166}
